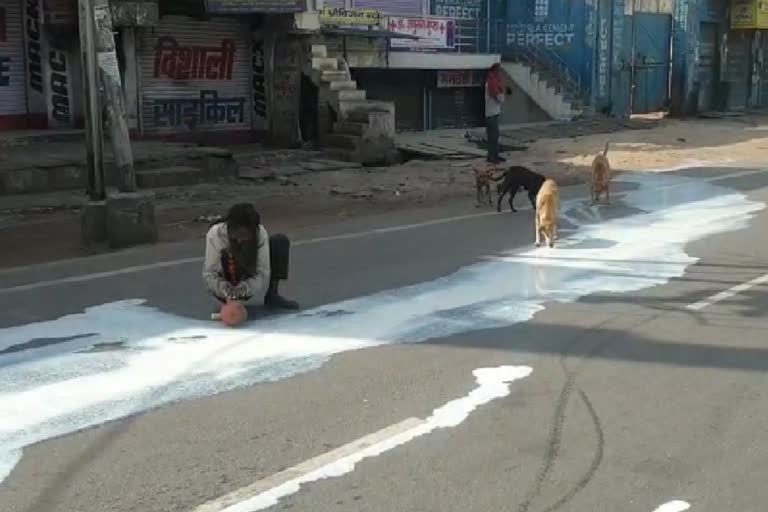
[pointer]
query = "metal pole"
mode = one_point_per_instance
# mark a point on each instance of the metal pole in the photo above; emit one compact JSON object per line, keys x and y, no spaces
{"x":109,"y":72}
{"x":93,"y":133}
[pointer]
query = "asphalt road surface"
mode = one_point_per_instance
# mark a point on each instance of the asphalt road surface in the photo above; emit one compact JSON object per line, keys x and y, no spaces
{"x":440,"y":363}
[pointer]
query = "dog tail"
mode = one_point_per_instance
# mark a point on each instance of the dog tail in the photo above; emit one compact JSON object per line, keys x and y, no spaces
{"x":605,"y":151}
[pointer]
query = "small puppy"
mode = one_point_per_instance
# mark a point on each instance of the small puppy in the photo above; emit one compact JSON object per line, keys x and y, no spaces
{"x":515,"y":178}
{"x":547,"y":212}
{"x":601,"y":177}
{"x":483,"y":177}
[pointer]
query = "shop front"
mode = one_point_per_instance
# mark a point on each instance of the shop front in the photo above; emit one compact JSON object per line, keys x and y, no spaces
{"x":196,"y":76}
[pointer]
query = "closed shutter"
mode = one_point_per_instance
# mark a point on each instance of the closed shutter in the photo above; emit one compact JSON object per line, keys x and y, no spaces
{"x":404,"y":88}
{"x":195,"y":75}
{"x":458,"y":107}
{"x":400,"y":7}
{"x":763,"y":102}
{"x":737,"y":69}
{"x":705,"y":72}
{"x":13,"y":100}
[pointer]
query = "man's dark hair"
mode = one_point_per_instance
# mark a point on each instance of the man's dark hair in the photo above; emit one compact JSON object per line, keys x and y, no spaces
{"x":243,"y":215}
{"x":245,"y":254}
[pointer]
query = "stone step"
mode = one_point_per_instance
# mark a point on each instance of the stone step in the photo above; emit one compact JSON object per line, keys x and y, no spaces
{"x":351,"y":94}
{"x":350,"y":128}
{"x":168,"y":177}
{"x":334,"y":76}
{"x":343,"y":141}
{"x":325,"y":63}
{"x":342,"y":85}
{"x":319,"y":50}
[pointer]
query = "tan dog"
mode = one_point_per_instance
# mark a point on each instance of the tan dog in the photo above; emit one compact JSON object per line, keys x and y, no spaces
{"x":547,"y":212}
{"x":601,"y":177}
{"x":483,"y":177}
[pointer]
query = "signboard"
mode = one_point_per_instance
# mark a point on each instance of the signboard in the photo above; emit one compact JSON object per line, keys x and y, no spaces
{"x":432,"y":33}
{"x":749,"y":14}
{"x":457,"y":78}
{"x":541,"y":34}
{"x":344,"y":17}
{"x":461,"y":9}
{"x":251,"y":6}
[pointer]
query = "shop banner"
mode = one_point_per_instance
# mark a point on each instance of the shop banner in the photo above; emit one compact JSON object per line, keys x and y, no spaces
{"x":338,"y":16}
{"x":457,"y":78}
{"x":432,"y":33}
{"x":749,"y":14}
{"x":253,"y":6}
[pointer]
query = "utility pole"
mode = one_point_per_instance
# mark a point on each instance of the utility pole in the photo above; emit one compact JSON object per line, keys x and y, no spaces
{"x":113,"y":93}
{"x":93,"y":132}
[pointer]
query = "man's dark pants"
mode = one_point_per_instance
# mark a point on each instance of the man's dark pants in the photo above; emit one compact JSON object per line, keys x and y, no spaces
{"x":492,"y":134}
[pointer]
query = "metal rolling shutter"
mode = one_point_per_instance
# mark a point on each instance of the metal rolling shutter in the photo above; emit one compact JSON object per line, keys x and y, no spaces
{"x":458,"y":107}
{"x":737,"y":70}
{"x":405,"y":88}
{"x":13,"y":99}
{"x":188,"y":100}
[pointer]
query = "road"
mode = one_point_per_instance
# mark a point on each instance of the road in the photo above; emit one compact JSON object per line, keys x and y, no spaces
{"x":440,"y":363}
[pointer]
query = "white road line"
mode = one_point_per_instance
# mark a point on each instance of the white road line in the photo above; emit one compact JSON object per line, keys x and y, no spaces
{"x":492,"y":383}
{"x":728,"y":294}
{"x":345,"y":236}
{"x":309,"y":466}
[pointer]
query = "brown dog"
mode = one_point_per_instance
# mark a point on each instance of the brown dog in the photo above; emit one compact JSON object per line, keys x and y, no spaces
{"x":483,"y":178}
{"x":601,"y":177}
{"x":547,"y":212}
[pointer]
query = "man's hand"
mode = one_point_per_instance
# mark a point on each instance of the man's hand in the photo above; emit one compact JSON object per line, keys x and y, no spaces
{"x":240,"y":291}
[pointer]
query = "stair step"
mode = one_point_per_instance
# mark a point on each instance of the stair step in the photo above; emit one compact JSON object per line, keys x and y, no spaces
{"x":319,"y":50}
{"x":168,"y":177}
{"x":340,"y":140}
{"x":341,"y":85}
{"x":334,"y":76}
{"x":350,"y":127}
{"x":351,"y":94}
{"x":325,"y":63}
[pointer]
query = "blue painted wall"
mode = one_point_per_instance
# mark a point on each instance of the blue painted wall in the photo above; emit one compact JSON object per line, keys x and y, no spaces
{"x":563,"y":27}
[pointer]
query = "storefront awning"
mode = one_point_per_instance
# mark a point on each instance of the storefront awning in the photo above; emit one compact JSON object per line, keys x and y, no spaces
{"x":361,"y":32}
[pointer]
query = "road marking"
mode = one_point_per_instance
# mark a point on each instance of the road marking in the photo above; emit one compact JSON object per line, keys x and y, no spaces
{"x":332,"y":238}
{"x":492,"y":383}
{"x":728,"y":294}
{"x":674,"y":506}
{"x":309,"y":466}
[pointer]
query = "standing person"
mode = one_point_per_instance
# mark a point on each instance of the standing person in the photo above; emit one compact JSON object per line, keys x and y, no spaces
{"x":242,"y":261}
{"x":494,"y":99}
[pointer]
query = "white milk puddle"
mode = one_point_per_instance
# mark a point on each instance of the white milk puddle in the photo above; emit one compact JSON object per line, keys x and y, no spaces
{"x":674,"y":506}
{"x":492,"y":383}
{"x":164,"y":358}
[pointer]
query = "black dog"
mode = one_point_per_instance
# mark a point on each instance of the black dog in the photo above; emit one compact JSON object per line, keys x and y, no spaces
{"x":517,"y":177}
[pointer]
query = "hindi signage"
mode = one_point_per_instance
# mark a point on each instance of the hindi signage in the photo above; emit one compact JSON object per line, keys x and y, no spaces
{"x":346,"y":17}
{"x":432,"y":33}
{"x":457,"y":78}
{"x":193,"y":62}
{"x":749,"y":14}
{"x":253,"y":6}
{"x":208,"y":109}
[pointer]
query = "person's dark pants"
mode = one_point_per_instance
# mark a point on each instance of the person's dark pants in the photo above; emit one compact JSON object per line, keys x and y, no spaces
{"x":279,"y":261}
{"x":492,"y":134}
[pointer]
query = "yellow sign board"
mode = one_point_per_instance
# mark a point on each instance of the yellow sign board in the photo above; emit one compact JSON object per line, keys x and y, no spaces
{"x":340,"y":16}
{"x":749,"y":14}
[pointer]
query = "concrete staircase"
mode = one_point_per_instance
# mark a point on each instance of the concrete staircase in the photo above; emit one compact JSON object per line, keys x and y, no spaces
{"x":549,"y":83}
{"x":351,"y":126}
